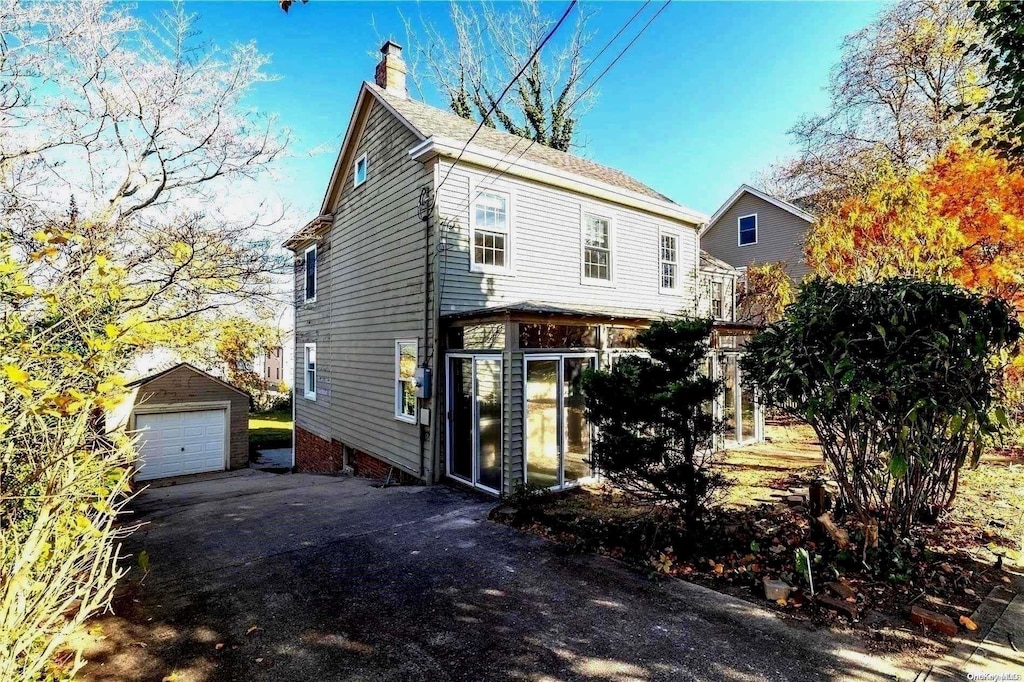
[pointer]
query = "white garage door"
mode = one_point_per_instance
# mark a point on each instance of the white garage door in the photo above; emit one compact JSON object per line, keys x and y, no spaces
{"x":178,"y":443}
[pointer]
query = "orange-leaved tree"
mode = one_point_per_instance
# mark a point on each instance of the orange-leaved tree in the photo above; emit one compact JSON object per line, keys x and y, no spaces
{"x":984,"y":196}
{"x":960,"y":219}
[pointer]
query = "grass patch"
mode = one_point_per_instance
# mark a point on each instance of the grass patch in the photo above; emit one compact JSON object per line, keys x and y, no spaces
{"x":270,"y":430}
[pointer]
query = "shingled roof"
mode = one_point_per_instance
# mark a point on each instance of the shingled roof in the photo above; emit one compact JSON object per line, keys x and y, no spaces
{"x":430,"y":122}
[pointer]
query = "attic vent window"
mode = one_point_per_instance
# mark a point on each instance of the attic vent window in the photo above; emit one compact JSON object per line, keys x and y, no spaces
{"x":359,"y":175}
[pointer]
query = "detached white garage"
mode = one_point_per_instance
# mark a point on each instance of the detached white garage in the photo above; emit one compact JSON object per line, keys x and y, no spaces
{"x":187,"y":422}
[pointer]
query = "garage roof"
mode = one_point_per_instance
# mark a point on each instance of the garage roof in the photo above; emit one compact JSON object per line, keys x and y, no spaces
{"x":180,"y":365}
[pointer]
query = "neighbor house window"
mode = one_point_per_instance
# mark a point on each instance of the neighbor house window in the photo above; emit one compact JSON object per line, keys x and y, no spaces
{"x":669,"y":258}
{"x":490,"y":232}
{"x":309,"y":288}
{"x":405,"y":380}
{"x":597,"y":248}
{"x":359,"y":172}
{"x":717,"y":299}
{"x":309,"y":371}
{"x":748,"y":230}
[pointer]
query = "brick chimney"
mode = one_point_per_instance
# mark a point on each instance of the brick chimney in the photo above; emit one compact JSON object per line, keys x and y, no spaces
{"x":390,"y":73}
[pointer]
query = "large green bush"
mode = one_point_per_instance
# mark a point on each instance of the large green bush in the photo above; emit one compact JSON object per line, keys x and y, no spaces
{"x":898,"y":378}
{"x":655,"y":433}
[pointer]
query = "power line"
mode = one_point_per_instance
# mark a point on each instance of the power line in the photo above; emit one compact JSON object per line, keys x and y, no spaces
{"x":576,"y":100}
{"x":614,"y":38}
{"x":508,"y":87}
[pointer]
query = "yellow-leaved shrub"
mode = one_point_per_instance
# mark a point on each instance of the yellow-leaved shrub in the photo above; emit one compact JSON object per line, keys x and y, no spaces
{"x":64,"y":339}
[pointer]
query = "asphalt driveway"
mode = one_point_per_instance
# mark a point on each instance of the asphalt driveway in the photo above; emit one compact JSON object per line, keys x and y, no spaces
{"x":297,"y":577}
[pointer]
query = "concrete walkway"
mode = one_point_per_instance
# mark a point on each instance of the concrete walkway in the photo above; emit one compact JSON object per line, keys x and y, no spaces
{"x":995,"y":651}
{"x":298,"y":577}
{"x":275,"y":458}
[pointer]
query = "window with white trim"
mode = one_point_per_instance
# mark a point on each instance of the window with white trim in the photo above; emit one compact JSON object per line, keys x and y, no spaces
{"x":309,"y":371}
{"x":597,"y":248}
{"x":717,"y":299}
{"x":669,"y":261}
{"x":489,"y":224}
{"x":309,"y":274}
{"x":405,"y":379}
{"x":359,"y":171}
{"x":748,"y":229}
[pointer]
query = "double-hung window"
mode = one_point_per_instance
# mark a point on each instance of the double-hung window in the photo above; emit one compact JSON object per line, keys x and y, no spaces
{"x":597,"y":248}
{"x":748,"y":229}
{"x":669,"y":260}
{"x":490,"y":232}
{"x":309,"y":371}
{"x":405,"y":380}
{"x":359,"y":171}
{"x":717,"y":299}
{"x":309,"y":279}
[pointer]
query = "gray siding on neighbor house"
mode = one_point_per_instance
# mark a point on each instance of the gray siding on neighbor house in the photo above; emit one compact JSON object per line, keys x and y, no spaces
{"x":370,"y":293}
{"x":184,"y":385}
{"x":546,"y":249}
{"x":780,"y":236}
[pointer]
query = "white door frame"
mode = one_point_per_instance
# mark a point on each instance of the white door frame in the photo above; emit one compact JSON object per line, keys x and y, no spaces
{"x":449,"y":427}
{"x":560,"y":358}
{"x":737,"y":406}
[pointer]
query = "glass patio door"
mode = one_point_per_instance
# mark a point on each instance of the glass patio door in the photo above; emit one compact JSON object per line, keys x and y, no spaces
{"x":557,"y":442}
{"x":474,"y":420}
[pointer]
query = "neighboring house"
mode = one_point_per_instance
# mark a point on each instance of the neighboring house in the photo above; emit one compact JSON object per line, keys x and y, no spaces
{"x":187,"y":421}
{"x":754,"y":227}
{"x":273,"y":366}
{"x":450,"y":295}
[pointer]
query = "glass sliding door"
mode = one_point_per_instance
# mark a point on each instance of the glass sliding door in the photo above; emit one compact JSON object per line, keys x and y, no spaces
{"x":557,"y":439}
{"x":739,"y":411}
{"x":488,"y":410}
{"x":727,"y":372}
{"x":576,"y":426}
{"x":474,"y":420}
{"x":542,"y":422}
{"x":460,"y":411}
{"x":748,"y":413}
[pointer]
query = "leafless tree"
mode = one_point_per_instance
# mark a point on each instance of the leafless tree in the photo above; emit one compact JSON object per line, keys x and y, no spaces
{"x":144,"y":127}
{"x":897,"y":97}
{"x":492,"y":44}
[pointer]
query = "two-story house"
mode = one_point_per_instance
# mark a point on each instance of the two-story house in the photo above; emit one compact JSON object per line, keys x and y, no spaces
{"x":457,"y":284}
{"x":755,"y":227}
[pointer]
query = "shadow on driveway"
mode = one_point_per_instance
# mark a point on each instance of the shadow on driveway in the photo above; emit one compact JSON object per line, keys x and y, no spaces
{"x":301,"y":577}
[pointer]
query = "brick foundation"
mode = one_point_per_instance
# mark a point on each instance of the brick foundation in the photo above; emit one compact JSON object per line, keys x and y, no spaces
{"x":368,"y":466}
{"x":315,"y":455}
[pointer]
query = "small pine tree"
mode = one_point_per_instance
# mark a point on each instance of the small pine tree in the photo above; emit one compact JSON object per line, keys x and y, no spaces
{"x":655,"y":429}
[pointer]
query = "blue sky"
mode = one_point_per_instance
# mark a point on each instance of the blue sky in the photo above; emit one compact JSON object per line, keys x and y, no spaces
{"x":700,"y":104}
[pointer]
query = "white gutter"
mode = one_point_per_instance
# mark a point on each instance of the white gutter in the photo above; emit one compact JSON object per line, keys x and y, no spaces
{"x":508,"y":164}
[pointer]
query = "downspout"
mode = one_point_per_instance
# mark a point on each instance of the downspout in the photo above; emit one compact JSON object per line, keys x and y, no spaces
{"x":438,"y":417}
{"x":295,"y":348}
{"x":426,"y":332}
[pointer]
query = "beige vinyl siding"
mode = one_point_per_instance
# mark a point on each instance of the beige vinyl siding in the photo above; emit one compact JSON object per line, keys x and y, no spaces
{"x":780,"y":236}
{"x":546,"y":250}
{"x":371,"y":287}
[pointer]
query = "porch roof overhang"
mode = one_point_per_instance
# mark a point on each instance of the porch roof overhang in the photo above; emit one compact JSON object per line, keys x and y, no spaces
{"x":735,"y":327}
{"x":529,"y":311}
